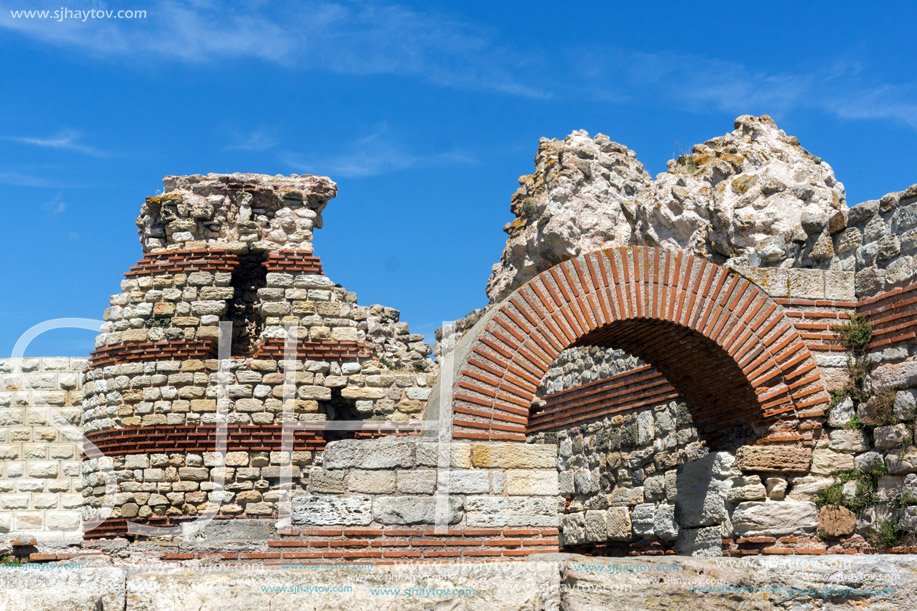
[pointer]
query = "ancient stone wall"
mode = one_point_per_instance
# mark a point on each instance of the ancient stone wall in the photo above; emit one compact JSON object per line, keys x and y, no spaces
{"x":235,"y":250}
{"x":40,"y":485}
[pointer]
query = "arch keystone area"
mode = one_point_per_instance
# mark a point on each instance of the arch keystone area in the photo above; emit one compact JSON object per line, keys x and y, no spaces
{"x":720,"y":340}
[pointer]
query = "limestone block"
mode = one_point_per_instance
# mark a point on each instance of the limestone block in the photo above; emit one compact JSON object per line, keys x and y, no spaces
{"x":458,"y":455}
{"x":700,"y":542}
{"x":416,"y":481}
{"x":332,"y":511}
{"x":642,"y":518}
{"x":849,"y":440}
{"x":786,"y":459}
{"x":371,"y":482}
{"x":836,"y":521}
{"x":523,"y":482}
{"x":618,"y":524}
{"x":514,"y":455}
{"x":748,"y":488}
{"x":417,"y":509}
{"x":622,"y":496}
{"x":775,"y":518}
{"x":385,"y":453}
{"x":464,"y":481}
{"x":826,"y":462}
{"x":540,"y":512}
{"x":573,"y":528}
{"x":595,"y":526}
{"x":700,"y":499}
{"x":887,"y":437}
{"x":664,"y":524}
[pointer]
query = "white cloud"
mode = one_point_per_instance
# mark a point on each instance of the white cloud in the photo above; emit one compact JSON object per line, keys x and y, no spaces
{"x":55,"y":206}
{"x":697,"y":83}
{"x":344,"y":37}
{"x":377,"y":153}
{"x":17,"y":179}
{"x":256,"y":141}
{"x":65,"y":140}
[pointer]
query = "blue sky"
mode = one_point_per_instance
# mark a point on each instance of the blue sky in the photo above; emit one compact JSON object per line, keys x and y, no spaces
{"x":424,"y":113}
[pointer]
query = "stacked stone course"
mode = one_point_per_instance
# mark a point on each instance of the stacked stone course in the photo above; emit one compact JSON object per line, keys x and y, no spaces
{"x":235,"y":249}
{"x":40,"y":485}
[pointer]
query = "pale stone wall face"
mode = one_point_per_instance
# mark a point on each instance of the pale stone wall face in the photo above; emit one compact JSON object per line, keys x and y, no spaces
{"x":40,"y":489}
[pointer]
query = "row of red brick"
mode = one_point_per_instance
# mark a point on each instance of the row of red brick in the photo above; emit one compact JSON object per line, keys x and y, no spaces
{"x":645,"y":287}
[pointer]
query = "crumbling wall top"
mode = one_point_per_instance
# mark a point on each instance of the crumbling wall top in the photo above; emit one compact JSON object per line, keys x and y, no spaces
{"x":240,"y":213}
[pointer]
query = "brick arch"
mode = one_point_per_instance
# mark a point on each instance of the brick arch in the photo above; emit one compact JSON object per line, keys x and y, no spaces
{"x":725,"y":345}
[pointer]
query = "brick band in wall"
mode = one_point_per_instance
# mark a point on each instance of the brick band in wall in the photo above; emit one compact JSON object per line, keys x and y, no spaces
{"x":724,"y":343}
{"x":200,"y":438}
{"x":184,"y":261}
{"x":293,"y":262}
{"x":313,"y":350}
{"x":139,"y":352}
{"x":372,"y":543}
{"x":247,"y":438}
{"x":634,"y":389}
{"x":893,"y":316}
{"x":815,"y":318}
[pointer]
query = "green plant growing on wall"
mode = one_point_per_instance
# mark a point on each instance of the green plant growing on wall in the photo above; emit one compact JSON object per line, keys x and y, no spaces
{"x":854,"y":335}
{"x":888,"y":535}
{"x":867,"y":485}
{"x":854,"y":423}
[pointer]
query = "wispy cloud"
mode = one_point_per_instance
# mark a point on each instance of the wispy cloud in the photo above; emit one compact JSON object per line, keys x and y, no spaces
{"x":65,"y":140}
{"x":55,"y":206}
{"x":255,"y":141}
{"x":377,"y":153}
{"x":344,"y":37}
{"x":844,"y":89}
{"x":17,"y":179}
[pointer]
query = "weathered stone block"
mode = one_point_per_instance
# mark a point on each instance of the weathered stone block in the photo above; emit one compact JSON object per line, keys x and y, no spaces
{"x":416,"y":481}
{"x":386,"y":453}
{"x":775,"y":519}
{"x":543,"y":512}
{"x":700,"y":542}
{"x":514,"y":455}
{"x":788,"y":459}
{"x":642,"y":518}
{"x":618,"y":524}
{"x":332,"y":511}
{"x":664,"y":524}
{"x":417,"y":510}
{"x":371,"y":482}
{"x":836,"y":521}
{"x":595,"y":526}
{"x":464,"y":482}
{"x":849,"y":440}
{"x":458,"y":455}
{"x":573,"y":528}
{"x":826,"y":462}
{"x":531,"y":483}
{"x":887,"y":437}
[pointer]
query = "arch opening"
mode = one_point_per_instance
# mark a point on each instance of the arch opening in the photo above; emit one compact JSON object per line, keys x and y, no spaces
{"x":716,"y":337}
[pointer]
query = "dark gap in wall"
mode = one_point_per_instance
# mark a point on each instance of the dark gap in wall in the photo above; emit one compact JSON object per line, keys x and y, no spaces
{"x":247,"y":322}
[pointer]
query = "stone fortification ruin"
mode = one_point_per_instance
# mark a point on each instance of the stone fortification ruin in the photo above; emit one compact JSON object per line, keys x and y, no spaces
{"x":658,"y":370}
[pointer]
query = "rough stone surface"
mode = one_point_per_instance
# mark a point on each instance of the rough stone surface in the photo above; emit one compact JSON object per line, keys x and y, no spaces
{"x":512,"y":511}
{"x":774,"y":518}
{"x":773,"y":458}
{"x":332,"y":511}
{"x":753,"y":196}
{"x":836,"y":521}
{"x":415,"y":510}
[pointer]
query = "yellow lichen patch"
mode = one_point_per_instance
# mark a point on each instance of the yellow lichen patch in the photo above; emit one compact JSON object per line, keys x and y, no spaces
{"x":158,"y":200}
{"x":734,"y":160}
{"x":743,"y":183}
